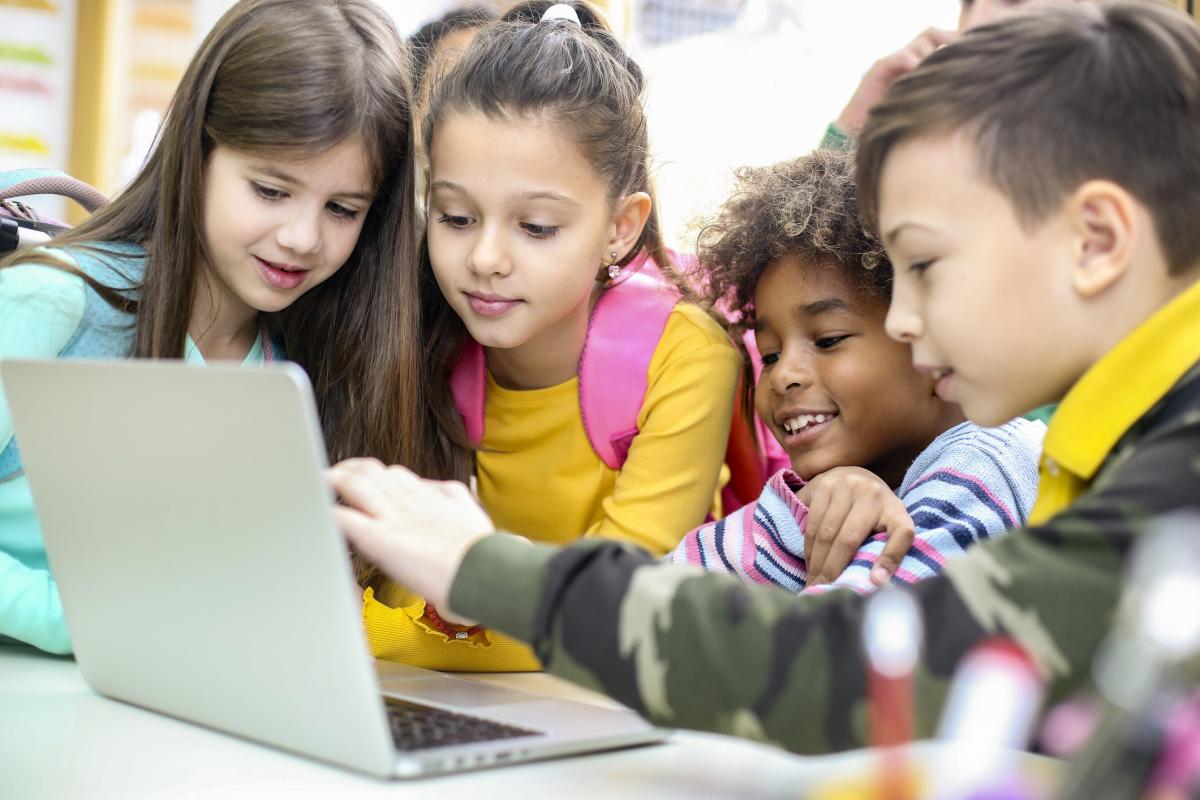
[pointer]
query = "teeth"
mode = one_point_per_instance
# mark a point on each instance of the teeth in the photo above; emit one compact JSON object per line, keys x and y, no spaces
{"x":938,"y":374}
{"x":281,"y":267}
{"x":796,"y":424}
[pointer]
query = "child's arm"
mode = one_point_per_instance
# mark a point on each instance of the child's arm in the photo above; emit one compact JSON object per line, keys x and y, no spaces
{"x":978,"y":483}
{"x":762,"y":542}
{"x":670,"y":477}
{"x":40,"y":308}
{"x":695,"y":650}
{"x":766,"y":541}
{"x":846,"y":505}
{"x":879,"y":79}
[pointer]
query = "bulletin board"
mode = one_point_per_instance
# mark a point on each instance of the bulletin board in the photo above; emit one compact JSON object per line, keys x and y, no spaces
{"x":84,"y":84}
{"x":162,"y":37}
{"x":131,"y":55}
{"x":37,"y":65}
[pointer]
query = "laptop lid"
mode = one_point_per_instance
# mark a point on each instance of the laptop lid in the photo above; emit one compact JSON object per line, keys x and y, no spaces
{"x":189,"y":527}
{"x":190,"y":532}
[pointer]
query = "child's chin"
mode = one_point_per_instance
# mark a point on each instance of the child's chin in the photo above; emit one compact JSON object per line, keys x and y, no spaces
{"x":988,"y":414}
{"x":804,"y":465}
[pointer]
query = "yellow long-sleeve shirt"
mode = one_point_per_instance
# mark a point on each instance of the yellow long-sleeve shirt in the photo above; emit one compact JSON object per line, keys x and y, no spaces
{"x":538,"y":476}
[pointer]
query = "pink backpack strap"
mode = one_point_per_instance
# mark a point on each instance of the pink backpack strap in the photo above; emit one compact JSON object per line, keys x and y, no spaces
{"x":624,"y":331}
{"x":468,"y":384}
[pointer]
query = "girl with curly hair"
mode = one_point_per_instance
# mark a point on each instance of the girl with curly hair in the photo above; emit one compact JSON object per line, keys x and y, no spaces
{"x":872,"y":445}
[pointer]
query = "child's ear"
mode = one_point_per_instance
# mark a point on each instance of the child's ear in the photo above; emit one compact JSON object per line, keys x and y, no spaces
{"x":630,"y":217}
{"x":1103,"y":216}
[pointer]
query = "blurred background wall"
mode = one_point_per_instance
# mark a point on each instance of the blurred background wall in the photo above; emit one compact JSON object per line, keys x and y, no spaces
{"x":84,"y":83}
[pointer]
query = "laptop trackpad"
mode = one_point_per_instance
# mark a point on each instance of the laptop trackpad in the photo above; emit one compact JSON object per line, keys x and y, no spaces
{"x":455,"y":692}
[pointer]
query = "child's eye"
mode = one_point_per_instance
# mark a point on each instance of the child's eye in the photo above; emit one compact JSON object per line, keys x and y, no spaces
{"x":768,"y":359}
{"x":453,"y":221}
{"x":342,"y":212}
{"x":829,"y":342}
{"x":539,"y":231}
{"x":920,"y":267}
{"x":267,"y":193}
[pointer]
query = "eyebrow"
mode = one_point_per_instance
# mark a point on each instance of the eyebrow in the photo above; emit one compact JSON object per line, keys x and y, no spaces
{"x":890,"y":236}
{"x":814,"y":309}
{"x":534,"y":195}
{"x":453,"y":187}
{"x":826,"y":306}
{"x":552,"y":196}
{"x":280,"y":175}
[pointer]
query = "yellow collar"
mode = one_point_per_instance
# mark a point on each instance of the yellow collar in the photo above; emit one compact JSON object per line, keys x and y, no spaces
{"x":1123,"y":385}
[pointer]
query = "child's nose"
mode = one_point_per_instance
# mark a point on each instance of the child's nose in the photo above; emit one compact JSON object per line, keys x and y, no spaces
{"x":488,"y":255}
{"x":792,"y":371}
{"x":902,"y":324}
{"x":300,"y":234}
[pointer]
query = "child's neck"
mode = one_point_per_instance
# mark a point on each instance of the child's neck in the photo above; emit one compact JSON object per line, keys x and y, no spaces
{"x":220,"y":333}
{"x":548,"y":358}
{"x":894,"y":466}
{"x":217,"y":344}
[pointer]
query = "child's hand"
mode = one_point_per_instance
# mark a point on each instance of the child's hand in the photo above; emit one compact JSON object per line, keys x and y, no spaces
{"x":417,"y":531}
{"x":845,"y":506}
{"x":885,"y":72}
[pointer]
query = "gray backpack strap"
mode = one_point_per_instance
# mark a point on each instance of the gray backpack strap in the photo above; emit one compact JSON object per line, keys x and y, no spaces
{"x":27,"y":182}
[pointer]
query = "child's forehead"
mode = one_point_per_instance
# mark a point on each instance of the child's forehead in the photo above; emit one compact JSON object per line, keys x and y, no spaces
{"x":935,"y":181}
{"x":460,"y":135}
{"x":815,"y":285}
{"x":345,"y":167}
{"x":943,"y":155}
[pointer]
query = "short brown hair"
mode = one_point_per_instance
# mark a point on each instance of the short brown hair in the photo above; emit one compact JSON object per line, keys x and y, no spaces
{"x":1058,"y":97}
{"x":805,"y":208}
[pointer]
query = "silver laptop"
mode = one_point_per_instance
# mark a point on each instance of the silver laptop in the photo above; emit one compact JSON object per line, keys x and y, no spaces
{"x":189,"y":527}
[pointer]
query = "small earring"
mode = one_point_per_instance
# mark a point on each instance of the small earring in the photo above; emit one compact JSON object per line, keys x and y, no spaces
{"x":614,"y":269}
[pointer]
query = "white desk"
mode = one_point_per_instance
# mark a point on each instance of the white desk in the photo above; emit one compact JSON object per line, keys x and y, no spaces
{"x":60,"y":741}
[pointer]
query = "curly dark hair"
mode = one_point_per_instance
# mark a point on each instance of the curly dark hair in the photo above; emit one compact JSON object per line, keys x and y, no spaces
{"x":805,"y":208}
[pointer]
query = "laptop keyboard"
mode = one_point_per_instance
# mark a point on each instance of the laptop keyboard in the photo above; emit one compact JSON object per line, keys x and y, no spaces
{"x":417,"y":727}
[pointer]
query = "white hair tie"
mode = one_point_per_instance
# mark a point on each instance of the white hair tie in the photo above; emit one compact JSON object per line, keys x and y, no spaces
{"x":561,"y":11}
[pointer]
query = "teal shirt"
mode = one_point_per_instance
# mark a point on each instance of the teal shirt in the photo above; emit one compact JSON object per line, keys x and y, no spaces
{"x":40,"y":309}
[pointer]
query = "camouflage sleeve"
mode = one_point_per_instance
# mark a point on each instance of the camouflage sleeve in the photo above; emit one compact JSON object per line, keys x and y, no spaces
{"x":697,"y":650}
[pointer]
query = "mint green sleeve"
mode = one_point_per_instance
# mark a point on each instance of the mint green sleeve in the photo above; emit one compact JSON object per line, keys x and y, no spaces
{"x":30,"y":608}
{"x":40,"y":309}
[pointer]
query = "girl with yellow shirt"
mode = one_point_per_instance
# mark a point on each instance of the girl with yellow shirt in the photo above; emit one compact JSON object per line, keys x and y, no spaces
{"x":539,"y":200}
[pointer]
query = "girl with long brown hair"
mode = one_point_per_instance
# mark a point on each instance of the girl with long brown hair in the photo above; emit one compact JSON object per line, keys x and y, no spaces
{"x":274,"y":218}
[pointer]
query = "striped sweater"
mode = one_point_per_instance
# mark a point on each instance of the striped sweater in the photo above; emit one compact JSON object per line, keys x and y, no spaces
{"x":969,"y":485}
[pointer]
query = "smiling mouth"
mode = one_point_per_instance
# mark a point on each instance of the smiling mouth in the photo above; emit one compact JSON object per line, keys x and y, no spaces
{"x":943,"y":381}
{"x":803,"y":422}
{"x":282,"y":267}
{"x":281,"y":276}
